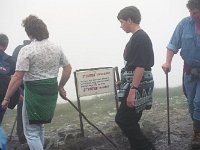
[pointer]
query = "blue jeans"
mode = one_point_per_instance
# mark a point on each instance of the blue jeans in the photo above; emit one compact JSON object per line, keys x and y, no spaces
{"x":192,"y":87}
{"x":34,"y":133}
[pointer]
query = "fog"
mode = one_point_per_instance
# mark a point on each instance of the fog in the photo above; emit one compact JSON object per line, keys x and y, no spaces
{"x":90,"y":34}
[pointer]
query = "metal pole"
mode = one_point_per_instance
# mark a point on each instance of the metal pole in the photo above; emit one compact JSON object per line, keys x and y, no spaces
{"x":168,"y":119}
{"x":117,"y":78}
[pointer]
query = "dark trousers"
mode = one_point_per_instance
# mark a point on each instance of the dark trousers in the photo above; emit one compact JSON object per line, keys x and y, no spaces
{"x":127,"y":119}
{"x":196,"y":125}
{"x":2,"y":112}
{"x":20,"y":131}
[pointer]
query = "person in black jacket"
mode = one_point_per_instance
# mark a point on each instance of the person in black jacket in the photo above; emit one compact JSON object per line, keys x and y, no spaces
{"x":5,"y":73}
{"x":20,"y":131}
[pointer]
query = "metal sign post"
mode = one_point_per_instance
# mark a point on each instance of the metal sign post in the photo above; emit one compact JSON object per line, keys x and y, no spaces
{"x":117,"y":79}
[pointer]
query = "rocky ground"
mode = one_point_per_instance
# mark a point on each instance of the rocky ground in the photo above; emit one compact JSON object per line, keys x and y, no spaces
{"x":153,"y":123}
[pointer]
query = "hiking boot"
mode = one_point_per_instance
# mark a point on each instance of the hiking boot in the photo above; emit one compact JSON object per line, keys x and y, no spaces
{"x":196,"y":140}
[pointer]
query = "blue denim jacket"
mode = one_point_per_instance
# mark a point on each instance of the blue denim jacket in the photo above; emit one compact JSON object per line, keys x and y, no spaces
{"x":186,"y":39}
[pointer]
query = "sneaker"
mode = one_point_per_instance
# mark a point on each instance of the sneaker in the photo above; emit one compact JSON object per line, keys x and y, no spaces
{"x":196,"y":140}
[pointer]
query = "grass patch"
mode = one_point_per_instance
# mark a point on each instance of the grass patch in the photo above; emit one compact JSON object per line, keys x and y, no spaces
{"x":99,"y":109}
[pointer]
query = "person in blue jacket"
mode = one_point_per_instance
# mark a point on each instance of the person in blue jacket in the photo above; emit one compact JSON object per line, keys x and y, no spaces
{"x":186,"y":38}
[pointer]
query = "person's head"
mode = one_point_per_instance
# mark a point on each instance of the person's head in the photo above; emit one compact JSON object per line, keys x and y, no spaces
{"x":130,"y":12}
{"x":128,"y":15}
{"x":35,"y":28}
{"x":3,"y":42}
{"x":194,"y":8}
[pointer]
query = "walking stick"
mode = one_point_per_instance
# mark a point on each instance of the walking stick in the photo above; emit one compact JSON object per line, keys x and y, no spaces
{"x":12,"y":129}
{"x":168,"y":121}
{"x":114,"y":145}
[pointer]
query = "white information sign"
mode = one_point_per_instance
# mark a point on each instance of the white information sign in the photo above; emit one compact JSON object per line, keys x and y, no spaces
{"x":96,"y":81}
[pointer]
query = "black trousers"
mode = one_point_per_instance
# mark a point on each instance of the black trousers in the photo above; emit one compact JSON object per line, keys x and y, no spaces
{"x":2,"y":112}
{"x":20,"y":131}
{"x":127,"y":119}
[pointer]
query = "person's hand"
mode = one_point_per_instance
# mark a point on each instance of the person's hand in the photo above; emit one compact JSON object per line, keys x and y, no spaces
{"x":5,"y":103}
{"x":166,"y":67}
{"x":21,"y":98}
{"x":117,"y":84}
{"x":131,"y":98}
{"x":63,"y":93}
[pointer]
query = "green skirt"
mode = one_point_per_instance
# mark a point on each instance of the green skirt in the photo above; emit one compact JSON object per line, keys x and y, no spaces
{"x":40,"y":99}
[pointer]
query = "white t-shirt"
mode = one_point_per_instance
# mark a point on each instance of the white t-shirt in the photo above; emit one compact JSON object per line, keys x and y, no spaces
{"x":40,"y":60}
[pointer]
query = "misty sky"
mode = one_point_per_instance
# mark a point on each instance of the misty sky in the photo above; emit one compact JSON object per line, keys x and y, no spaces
{"x":90,"y":34}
